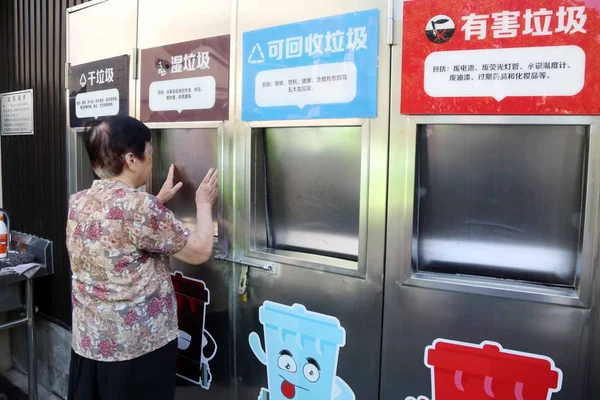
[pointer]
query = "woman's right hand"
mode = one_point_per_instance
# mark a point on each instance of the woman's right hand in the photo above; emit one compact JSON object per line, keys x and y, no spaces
{"x":208,"y":191}
{"x":199,"y":247}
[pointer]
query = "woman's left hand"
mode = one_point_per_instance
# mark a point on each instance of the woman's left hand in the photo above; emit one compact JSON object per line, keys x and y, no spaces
{"x":168,"y":190}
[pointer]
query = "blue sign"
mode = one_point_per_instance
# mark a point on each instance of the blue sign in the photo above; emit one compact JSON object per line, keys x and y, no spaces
{"x":322,"y":68}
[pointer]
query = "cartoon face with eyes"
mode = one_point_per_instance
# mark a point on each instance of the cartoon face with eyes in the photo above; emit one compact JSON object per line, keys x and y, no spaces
{"x":294,"y":380}
{"x":301,"y":354}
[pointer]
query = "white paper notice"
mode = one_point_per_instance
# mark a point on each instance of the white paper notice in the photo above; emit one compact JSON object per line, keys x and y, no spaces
{"x":16,"y":113}
{"x":333,"y":83}
{"x":103,"y":103}
{"x":500,"y":73}
{"x":183,"y":94}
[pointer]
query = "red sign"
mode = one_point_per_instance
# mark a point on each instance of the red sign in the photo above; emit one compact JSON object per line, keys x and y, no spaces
{"x":463,"y":371}
{"x":501,"y":57}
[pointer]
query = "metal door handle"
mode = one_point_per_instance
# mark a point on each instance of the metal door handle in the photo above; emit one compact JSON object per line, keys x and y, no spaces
{"x":225,"y":257}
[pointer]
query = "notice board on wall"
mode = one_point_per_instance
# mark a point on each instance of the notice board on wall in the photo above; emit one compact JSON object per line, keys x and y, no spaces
{"x":16,"y":113}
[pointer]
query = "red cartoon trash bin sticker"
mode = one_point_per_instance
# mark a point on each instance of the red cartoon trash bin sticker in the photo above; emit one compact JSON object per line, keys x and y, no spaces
{"x":195,"y":345}
{"x":464,"y":371}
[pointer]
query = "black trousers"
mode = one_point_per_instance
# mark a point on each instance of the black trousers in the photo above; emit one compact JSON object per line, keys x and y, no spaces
{"x":149,"y":377}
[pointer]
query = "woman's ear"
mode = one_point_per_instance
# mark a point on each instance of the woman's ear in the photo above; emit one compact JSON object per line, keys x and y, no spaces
{"x":131,"y":161}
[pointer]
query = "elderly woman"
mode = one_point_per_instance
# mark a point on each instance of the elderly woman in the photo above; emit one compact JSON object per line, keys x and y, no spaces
{"x":119,"y":241}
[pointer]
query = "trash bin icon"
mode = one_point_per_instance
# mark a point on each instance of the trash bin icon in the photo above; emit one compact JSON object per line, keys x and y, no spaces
{"x":301,"y":354}
{"x":463,"y":371}
{"x":196,"y":347}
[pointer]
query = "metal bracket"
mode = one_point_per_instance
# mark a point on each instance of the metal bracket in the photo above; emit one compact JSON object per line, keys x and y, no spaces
{"x":67,"y":74}
{"x":134,"y":63}
{"x":390,"y":23}
{"x":225,"y":257}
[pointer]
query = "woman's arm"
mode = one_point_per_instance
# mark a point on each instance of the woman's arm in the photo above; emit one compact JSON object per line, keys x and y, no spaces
{"x":199,"y":246}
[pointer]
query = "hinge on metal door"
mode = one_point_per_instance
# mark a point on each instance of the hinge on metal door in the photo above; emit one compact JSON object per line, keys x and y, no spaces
{"x":390,"y":23}
{"x":134,"y":63}
{"x":67,"y":74}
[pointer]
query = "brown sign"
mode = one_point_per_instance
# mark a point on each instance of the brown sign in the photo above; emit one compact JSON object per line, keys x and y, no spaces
{"x":186,"y":81}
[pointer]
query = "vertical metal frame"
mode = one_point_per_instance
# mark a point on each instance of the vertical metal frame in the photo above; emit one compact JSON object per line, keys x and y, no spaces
{"x":71,"y":135}
{"x":299,"y":259}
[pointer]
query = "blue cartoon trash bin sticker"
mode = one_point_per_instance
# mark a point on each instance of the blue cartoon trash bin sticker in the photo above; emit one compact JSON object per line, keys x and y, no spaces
{"x":301,"y":354}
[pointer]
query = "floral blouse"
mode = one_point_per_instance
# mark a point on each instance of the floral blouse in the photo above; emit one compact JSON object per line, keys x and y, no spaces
{"x":119,"y":242}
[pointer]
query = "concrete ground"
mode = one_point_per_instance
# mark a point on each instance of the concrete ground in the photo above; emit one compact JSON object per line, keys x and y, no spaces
{"x":13,"y":386}
{"x":9,"y":392}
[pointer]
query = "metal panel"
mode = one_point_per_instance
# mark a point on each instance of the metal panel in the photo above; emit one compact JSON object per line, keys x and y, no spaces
{"x":257,"y":241}
{"x":356,"y":301}
{"x":182,"y":21}
{"x":425,"y":315}
{"x":89,"y":42}
{"x":33,"y":173}
{"x":268,"y":192}
{"x":194,"y":151}
{"x":422,"y":307}
{"x":468,"y":309}
{"x":313,"y":189}
{"x":491,"y":202}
